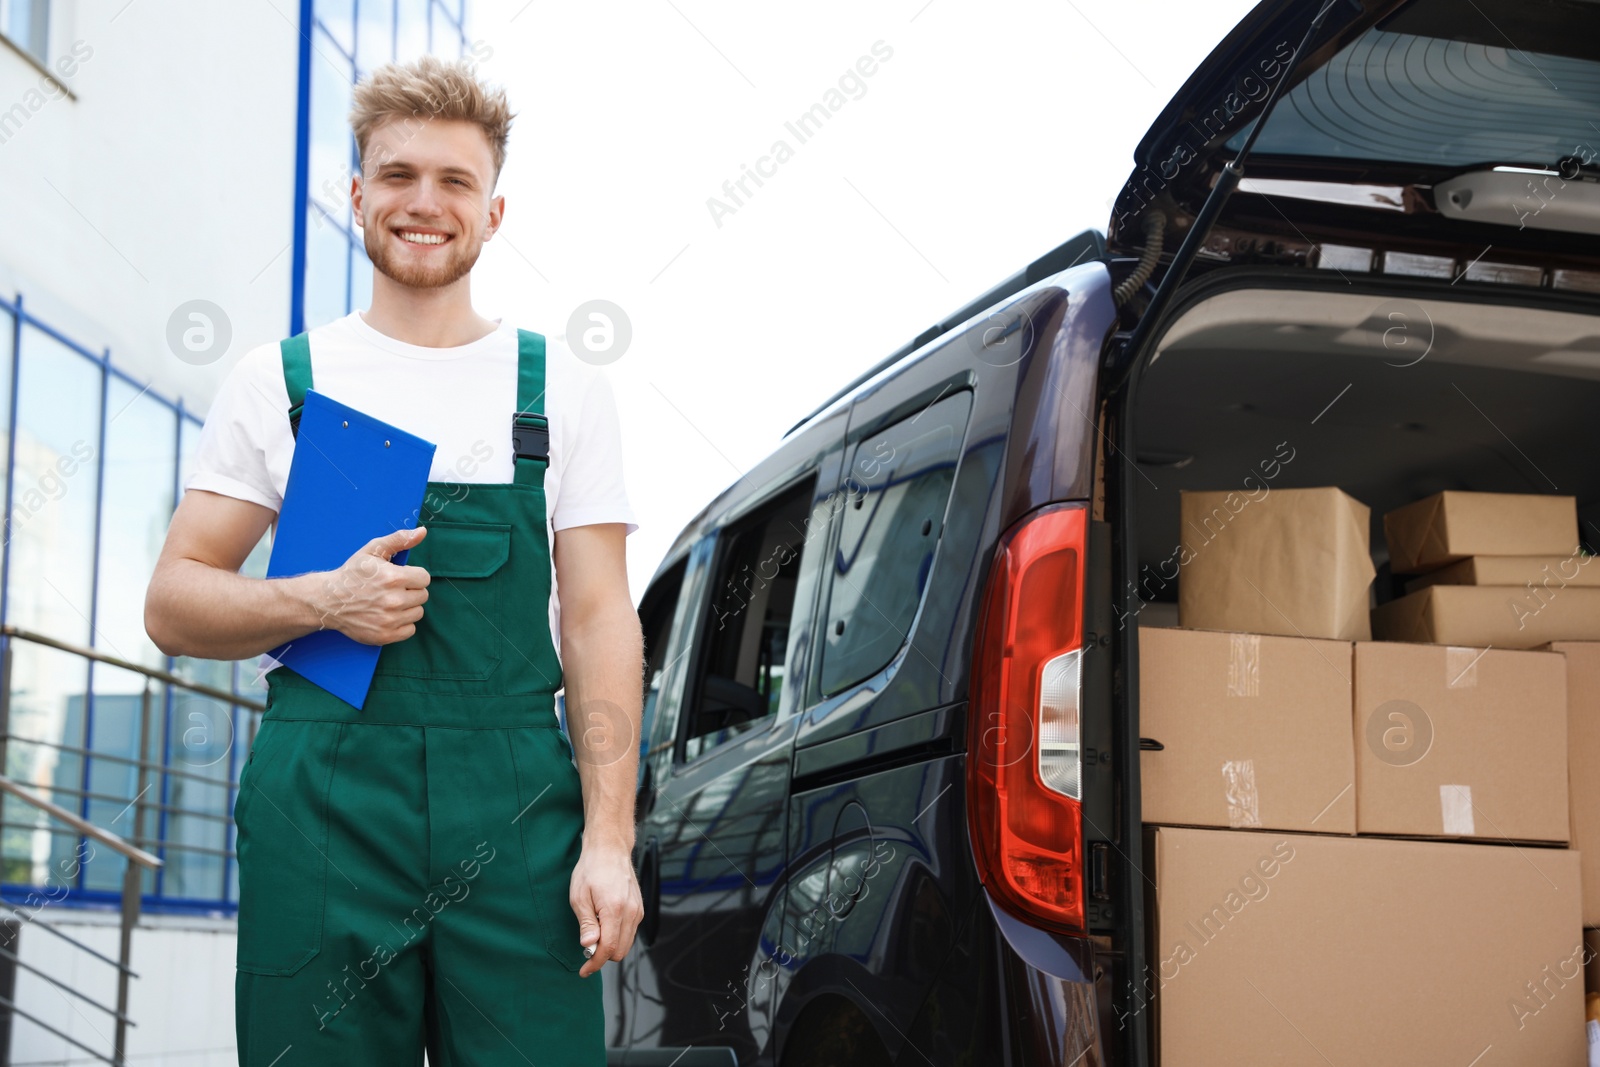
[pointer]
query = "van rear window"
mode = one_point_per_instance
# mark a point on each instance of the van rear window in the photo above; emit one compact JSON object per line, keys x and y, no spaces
{"x":1467,"y":90}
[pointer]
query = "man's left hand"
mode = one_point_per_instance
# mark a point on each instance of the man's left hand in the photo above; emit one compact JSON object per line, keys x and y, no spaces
{"x":605,"y":897}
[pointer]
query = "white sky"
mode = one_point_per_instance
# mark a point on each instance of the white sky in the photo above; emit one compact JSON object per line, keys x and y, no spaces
{"x":994,"y":132}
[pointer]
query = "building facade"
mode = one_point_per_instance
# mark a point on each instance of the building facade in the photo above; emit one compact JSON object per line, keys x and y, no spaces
{"x":175,"y":190}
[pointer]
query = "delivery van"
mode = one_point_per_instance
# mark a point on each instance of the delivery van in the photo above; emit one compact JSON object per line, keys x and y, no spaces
{"x":889,"y":809}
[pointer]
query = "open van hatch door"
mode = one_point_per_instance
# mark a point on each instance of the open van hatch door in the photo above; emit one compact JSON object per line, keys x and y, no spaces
{"x":1451,"y":139}
{"x":1410,"y":138}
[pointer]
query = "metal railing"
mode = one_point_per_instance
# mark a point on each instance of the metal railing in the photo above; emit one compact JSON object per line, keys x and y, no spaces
{"x":138,"y":859}
{"x":131,"y":887}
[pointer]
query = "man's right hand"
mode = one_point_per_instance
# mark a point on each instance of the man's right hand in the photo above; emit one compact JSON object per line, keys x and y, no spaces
{"x":371,"y":600}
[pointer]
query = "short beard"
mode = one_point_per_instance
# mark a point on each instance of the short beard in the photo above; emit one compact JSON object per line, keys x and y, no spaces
{"x":440,"y":275}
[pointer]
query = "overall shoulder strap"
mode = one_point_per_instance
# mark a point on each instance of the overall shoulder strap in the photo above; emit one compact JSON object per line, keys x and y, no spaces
{"x":296,"y":353}
{"x":530,"y":430}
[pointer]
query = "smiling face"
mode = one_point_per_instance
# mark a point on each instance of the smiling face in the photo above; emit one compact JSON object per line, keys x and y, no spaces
{"x":424,"y":200}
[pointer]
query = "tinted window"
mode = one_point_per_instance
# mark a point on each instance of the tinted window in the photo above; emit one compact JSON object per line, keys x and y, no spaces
{"x":656,"y":613}
{"x":746,"y":630}
{"x":897,"y":489}
{"x":1412,"y":92}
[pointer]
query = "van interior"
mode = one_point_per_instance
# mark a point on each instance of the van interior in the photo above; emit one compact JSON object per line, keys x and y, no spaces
{"x":1387,"y":396}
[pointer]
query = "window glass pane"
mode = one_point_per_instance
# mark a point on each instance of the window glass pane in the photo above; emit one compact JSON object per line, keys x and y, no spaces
{"x":413,"y":27}
{"x":28,"y":24}
{"x":188,"y":441}
{"x":339,"y":17}
{"x":200,"y":726}
{"x":7,"y":326}
{"x":445,"y":41}
{"x":141,"y":447}
{"x":330,"y":162}
{"x":246,"y":722}
{"x":898,"y":488}
{"x":141,"y":450}
{"x":747,"y":629}
{"x":47,"y":690}
{"x":1432,"y":99}
{"x":118,"y":736}
{"x":659,"y":610}
{"x":52,"y":551}
{"x":197,"y":827}
{"x":51,"y":528}
{"x":199,"y":752}
{"x":255,"y":564}
{"x":327,"y":270}
{"x":375,"y":37}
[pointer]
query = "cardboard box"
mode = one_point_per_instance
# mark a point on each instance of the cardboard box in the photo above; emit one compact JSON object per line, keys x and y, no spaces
{"x":1460,"y":742}
{"x":1500,"y":615}
{"x":1255,"y":731}
{"x":1289,"y":561}
{"x":1451,"y":525}
{"x":1309,"y":949}
{"x":1546,"y":572}
{"x":1583,"y":764}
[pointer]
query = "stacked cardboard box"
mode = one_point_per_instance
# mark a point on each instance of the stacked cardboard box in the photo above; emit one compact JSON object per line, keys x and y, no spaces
{"x":1310,"y":949}
{"x":1254,"y":729}
{"x":1460,"y":742}
{"x":1294,"y":788}
{"x":1499,"y":569}
{"x":1583,"y":759}
{"x":1278,"y":561}
{"x":1583,"y":763}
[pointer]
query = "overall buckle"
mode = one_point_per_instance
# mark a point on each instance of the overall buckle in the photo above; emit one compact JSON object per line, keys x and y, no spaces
{"x":530,"y":436}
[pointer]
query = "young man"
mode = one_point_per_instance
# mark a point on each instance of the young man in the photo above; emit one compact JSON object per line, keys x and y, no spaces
{"x":430,"y":868}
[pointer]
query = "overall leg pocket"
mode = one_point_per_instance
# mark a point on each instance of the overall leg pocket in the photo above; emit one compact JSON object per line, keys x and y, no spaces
{"x":550,"y":798}
{"x":282,"y":820}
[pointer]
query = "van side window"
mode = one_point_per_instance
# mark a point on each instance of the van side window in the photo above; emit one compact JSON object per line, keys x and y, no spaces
{"x":656,"y":613}
{"x":898,"y":487}
{"x":746,"y":630}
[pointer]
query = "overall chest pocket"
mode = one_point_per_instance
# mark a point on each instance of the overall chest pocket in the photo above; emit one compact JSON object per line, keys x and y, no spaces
{"x":461,"y":634}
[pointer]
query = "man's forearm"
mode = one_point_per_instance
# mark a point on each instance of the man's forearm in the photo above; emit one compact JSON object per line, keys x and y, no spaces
{"x":602,"y":656}
{"x":205,"y":612}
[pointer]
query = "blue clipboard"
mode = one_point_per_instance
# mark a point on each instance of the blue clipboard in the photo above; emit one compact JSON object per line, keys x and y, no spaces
{"x":353,"y":478}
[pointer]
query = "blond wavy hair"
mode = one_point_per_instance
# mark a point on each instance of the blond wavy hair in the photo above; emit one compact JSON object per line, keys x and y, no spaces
{"x":425,"y":89}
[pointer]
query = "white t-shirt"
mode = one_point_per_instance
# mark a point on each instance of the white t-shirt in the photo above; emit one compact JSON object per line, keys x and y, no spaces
{"x":460,"y":398}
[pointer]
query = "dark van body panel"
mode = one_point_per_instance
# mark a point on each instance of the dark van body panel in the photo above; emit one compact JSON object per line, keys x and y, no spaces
{"x":846,"y":878}
{"x":714,"y":880}
{"x":1029,"y":442}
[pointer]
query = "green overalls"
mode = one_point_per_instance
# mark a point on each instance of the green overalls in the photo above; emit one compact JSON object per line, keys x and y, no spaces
{"x":404,"y":868}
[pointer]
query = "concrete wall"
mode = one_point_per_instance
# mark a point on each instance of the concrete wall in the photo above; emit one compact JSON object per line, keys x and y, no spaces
{"x":167,"y":175}
{"x":182,"y":1000}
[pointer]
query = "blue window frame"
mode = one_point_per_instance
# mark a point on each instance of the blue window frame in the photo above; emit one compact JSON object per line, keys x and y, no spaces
{"x":341,"y":40}
{"x":93,"y":461}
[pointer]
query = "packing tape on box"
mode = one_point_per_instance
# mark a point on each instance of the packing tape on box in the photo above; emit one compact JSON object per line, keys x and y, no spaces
{"x":1244,"y":665}
{"x":1455,"y":807}
{"x":1461,"y":667}
{"x":1239,"y":786}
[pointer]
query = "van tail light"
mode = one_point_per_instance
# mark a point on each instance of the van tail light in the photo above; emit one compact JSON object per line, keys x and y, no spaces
{"x":1024,"y":765}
